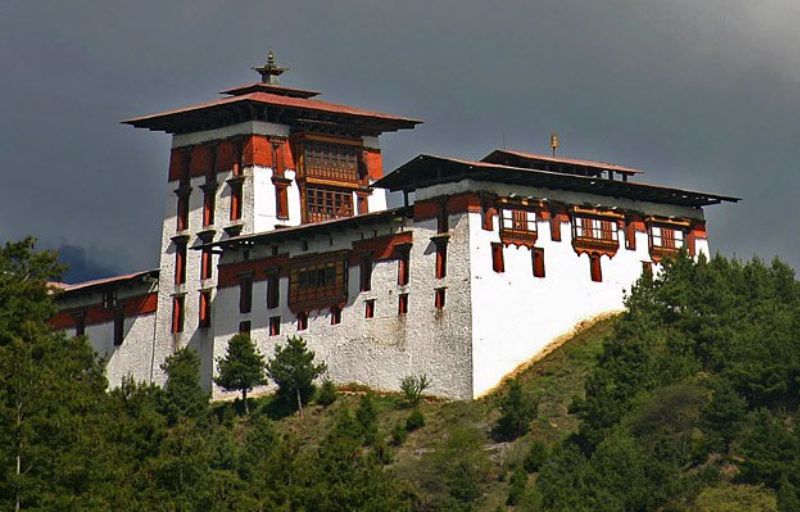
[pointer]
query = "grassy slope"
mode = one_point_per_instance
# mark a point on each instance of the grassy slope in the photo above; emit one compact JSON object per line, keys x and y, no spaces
{"x":553,"y":381}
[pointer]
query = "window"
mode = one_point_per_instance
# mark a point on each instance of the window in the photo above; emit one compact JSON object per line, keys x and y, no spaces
{"x":302,"y":321}
{"x":402,"y":304}
{"x":177,"y":314}
{"x":555,"y":228}
{"x":362,"y":203}
{"x":119,"y":326}
{"x":403,"y":267}
{"x":183,"y":212}
{"x":488,"y":218}
{"x":273,"y":290}
{"x":206,"y":263}
{"x":80,"y":324}
{"x":441,"y":260}
{"x":281,"y":201}
{"x":498,"y":265}
{"x":208,"y":207}
{"x":519,"y":220}
{"x":245,"y":327}
{"x":318,"y":281}
{"x":442,"y":225}
{"x":595,"y":229}
{"x":110,"y":299}
{"x":537,"y":253}
{"x":630,"y":235}
{"x":236,"y":201}
{"x":365,"y":274}
{"x":439,"y":299}
{"x":369,"y":308}
{"x":336,"y":315}
{"x":274,"y":325}
{"x":245,"y":294}
{"x":205,"y":309}
{"x":180,"y":262}
{"x":331,"y":161}
{"x":324,"y":204}
{"x":666,"y":238}
{"x":596,"y":269}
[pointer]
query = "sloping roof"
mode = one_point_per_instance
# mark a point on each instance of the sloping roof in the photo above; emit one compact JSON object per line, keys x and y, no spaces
{"x":306,"y":230}
{"x":253,"y":105}
{"x":502,"y":156}
{"x":266,"y":87}
{"x":427,"y":170}
{"x":107,"y":282}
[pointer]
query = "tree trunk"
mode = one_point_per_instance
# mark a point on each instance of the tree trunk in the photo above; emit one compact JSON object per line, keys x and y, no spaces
{"x":299,"y":403}
{"x":246,"y":406}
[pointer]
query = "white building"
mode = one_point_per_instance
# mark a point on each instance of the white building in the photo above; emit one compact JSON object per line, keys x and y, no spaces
{"x":276,"y":224}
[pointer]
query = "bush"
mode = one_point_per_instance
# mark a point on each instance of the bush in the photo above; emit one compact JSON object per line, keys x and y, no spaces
{"x":519,"y":479}
{"x":413,"y":386}
{"x":536,"y":457}
{"x":517,"y":412}
{"x":367,"y":417}
{"x":327,"y":393}
{"x":415,"y":421}
{"x":399,"y":434}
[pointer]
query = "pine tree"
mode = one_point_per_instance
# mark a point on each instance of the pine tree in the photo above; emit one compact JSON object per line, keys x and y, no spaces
{"x":184,"y":397}
{"x":294,"y":371}
{"x":242,"y":368}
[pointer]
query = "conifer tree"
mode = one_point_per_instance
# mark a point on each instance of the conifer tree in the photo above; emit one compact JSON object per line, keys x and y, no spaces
{"x":184,"y":397}
{"x":242,"y":368}
{"x":294,"y":371}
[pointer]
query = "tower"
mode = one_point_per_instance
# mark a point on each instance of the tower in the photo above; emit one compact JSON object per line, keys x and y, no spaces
{"x":264,"y":157}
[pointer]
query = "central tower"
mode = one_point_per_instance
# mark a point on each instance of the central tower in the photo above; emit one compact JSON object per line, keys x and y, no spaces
{"x":264,"y":157}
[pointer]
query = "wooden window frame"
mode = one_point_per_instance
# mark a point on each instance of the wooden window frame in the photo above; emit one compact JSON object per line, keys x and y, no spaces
{"x":365,"y":274}
{"x":273,"y":290}
{"x":275,"y":326}
{"x":439,"y":298}
{"x":537,"y":257}
{"x":630,"y":235}
{"x":403,"y":266}
{"x":236,"y":200}
{"x":441,"y":260}
{"x":498,"y":262}
{"x":245,"y":327}
{"x":206,"y":263}
{"x":369,"y":308}
{"x":209,"y":204}
{"x":182,"y":215}
{"x":204,"y":310}
{"x":402,"y":304}
{"x":595,"y":268}
{"x":555,"y":227}
{"x":180,"y":262}
{"x":325,"y":203}
{"x":119,"y":326}
{"x":281,"y":198}
{"x":178,"y":313}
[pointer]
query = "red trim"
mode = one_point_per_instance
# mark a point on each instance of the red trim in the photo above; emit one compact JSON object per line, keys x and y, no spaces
{"x":374,"y":163}
{"x":201,"y":162}
{"x":230,"y":273}
{"x":381,"y":248}
{"x":459,"y":203}
{"x":94,"y":314}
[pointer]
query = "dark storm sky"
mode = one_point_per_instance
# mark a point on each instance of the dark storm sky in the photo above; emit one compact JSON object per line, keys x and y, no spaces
{"x":702,"y":95}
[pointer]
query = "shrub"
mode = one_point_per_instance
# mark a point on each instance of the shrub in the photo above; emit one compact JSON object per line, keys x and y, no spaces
{"x":536,"y":457}
{"x":517,"y":412}
{"x":367,"y":417}
{"x":415,"y":421}
{"x":327,"y":393}
{"x":399,"y":434}
{"x":519,"y":479}
{"x":413,"y":386}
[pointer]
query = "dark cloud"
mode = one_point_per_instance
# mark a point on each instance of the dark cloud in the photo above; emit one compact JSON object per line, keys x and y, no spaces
{"x":698,"y":94}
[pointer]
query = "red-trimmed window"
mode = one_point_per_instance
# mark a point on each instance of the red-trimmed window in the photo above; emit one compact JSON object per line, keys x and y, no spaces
{"x":438,"y":300}
{"x":666,"y":238}
{"x":324,"y":204}
{"x":595,"y":229}
{"x":555,"y":228}
{"x":302,"y":321}
{"x":488,"y":218}
{"x":519,"y":220}
{"x":183,"y":212}
{"x":336,"y":315}
{"x":246,"y":294}
{"x":595,"y":268}
{"x":273,"y":290}
{"x":403,"y":264}
{"x":630,"y":235}
{"x":208,"y":207}
{"x":204,"y":318}
{"x":369,"y":308}
{"x":119,"y":326}
{"x":402,"y":304}
{"x":245,"y":327}
{"x":281,"y":202}
{"x":537,"y":253}
{"x":177,"y":314}
{"x":362,"y":203}
{"x":365,"y":274}
{"x":441,"y":260}
{"x":180,"y":262}
{"x":236,"y":201}
{"x":206,"y":263}
{"x":274,"y":325}
{"x":498,"y":265}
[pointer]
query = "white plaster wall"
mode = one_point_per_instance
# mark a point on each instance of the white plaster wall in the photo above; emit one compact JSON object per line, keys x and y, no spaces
{"x":265,"y":201}
{"x":376,"y":201}
{"x":380,"y":351}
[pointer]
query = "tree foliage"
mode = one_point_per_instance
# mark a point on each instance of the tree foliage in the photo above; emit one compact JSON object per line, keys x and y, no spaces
{"x":242,"y":368}
{"x":294,"y":371}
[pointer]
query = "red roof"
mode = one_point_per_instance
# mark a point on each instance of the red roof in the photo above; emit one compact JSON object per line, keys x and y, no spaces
{"x":495,"y":156}
{"x":173,"y":120}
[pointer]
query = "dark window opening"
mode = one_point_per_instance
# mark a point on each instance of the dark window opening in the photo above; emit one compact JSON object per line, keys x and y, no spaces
{"x":441,"y":261}
{"x":246,"y":295}
{"x":336,"y":315}
{"x":205,"y":309}
{"x":403,"y":268}
{"x":538,"y":261}
{"x":119,"y":327}
{"x":402,"y":304}
{"x":498,"y":265}
{"x":274,"y":326}
{"x":366,"y":274}
{"x":439,"y":299}
{"x":369,"y":308}
{"x":302,"y":321}
{"x":245,"y":327}
{"x":596,"y":269}
{"x":177,"y":314}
